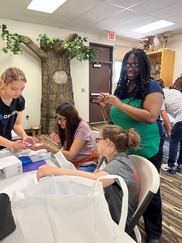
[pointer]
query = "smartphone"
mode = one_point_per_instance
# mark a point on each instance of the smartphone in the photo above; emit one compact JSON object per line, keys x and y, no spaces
{"x":28,"y":144}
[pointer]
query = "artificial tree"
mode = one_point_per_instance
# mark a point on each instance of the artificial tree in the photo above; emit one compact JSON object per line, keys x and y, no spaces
{"x":55,"y":56}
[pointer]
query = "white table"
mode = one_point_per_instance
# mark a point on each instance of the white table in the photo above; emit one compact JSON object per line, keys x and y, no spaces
{"x":17,"y":235}
{"x":6,"y":182}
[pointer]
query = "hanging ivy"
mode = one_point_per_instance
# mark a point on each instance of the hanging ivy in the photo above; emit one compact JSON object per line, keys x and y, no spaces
{"x":75,"y":48}
{"x":13,"y":41}
{"x":47,"y":42}
{"x":79,"y":50}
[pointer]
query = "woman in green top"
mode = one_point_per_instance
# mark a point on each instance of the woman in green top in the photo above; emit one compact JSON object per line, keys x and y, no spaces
{"x":136,"y":103}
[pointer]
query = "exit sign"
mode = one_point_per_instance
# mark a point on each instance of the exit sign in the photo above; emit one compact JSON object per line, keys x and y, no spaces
{"x":111,"y":36}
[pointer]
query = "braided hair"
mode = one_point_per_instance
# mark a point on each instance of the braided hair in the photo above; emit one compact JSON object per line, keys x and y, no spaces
{"x":143,"y":81}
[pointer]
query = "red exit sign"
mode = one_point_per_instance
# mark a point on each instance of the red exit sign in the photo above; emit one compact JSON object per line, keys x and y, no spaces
{"x":111,"y":36}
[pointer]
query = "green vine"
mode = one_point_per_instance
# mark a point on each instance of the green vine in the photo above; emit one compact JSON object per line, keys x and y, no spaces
{"x":47,"y":42}
{"x":79,"y":50}
{"x":13,"y":41}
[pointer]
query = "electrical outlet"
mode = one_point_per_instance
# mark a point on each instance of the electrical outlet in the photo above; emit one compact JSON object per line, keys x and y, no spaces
{"x":27,"y":117}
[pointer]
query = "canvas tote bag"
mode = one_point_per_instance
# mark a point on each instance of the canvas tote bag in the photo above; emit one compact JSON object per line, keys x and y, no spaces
{"x":67,"y":209}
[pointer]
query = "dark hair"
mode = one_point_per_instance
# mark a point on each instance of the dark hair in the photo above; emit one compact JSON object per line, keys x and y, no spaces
{"x":123,"y":139}
{"x":141,"y":88}
{"x":72,"y":120}
{"x":12,"y":74}
{"x":161,"y":83}
{"x":177,"y":84}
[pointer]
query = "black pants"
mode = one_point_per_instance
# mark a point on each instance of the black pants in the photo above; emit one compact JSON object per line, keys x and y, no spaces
{"x":153,"y":214}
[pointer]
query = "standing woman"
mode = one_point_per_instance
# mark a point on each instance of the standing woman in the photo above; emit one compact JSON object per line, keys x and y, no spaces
{"x":136,"y":103}
{"x":12,"y":103}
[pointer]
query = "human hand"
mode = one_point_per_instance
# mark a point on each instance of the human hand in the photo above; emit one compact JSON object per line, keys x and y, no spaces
{"x":113,"y":100}
{"x":54,"y":137}
{"x":20,"y":144}
{"x":102,"y":99}
{"x":46,"y":170}
{"x":41,"y":145}
{"x":168,"y":131}
{"x":29,"y":140}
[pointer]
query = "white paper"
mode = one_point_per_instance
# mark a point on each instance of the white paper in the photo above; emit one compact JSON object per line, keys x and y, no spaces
{"x":29,"y":152}
{"x":63,"y":162}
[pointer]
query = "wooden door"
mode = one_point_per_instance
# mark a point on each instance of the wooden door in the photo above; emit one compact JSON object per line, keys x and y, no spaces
{"x":100,"y":79}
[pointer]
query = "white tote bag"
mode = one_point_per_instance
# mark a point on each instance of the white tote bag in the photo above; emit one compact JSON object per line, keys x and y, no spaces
{"x":67,"y":209}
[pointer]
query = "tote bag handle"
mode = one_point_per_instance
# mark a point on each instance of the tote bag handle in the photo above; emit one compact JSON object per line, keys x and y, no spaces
{"x":124,"y":208}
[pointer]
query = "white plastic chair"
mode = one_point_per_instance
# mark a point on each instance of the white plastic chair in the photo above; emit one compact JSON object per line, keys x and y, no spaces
{"x":149,"y":181}
{"x":95,"y":134}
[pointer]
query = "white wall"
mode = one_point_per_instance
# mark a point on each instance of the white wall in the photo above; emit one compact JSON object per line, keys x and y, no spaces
{"x":30,"y":64}
{"x":175,"y":44}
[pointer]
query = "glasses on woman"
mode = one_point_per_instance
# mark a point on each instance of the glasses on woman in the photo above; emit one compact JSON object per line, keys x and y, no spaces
{"x":98,"y":139}
{"x":133,"y":64}
{"x":61,"y":119}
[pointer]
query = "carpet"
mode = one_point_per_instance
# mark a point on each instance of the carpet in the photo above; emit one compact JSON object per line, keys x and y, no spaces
{"x":171,"y":194}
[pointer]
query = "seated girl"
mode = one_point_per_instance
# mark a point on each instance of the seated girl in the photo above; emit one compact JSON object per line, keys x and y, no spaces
{"x":74,"y":139}
{"x":113,"y":144}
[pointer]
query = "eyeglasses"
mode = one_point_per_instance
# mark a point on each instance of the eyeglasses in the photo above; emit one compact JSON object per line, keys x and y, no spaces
{"x":98,"y":139}
{"x":60,"y":119}
{"x":133,"y":65}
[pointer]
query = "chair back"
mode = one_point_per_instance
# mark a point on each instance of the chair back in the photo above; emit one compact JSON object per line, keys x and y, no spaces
{"x":149,"y":182}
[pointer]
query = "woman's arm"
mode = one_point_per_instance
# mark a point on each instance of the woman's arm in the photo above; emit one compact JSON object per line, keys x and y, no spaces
{"x":18,"y":144}
{"x":49,"y":170}
{"x":18,"y":129}
{"x":167,"y":123}
{"x":75,"y":148}
{"x":7,"y":143}
{"x":151,"y":107}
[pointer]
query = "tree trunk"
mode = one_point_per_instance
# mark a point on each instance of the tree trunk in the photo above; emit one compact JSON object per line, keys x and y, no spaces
{"x":56,"y":75}
{"x":56,"y":88}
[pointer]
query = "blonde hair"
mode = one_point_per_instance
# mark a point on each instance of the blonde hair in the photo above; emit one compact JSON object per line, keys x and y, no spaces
{"x":12,"y":74}
{"x":123,"y":139}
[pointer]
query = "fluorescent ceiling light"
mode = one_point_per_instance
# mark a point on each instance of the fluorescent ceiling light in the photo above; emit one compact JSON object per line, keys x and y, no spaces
{"x":47,"y":6}
{"x":153,"y":26}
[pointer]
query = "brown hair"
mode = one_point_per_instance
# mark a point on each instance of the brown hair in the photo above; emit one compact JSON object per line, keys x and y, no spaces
{"x":12,"y":74}
{"x":123,"y":139}
{"x":160,"y":82}
{"x":178,"y":84}
{"x":72,"y":121}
